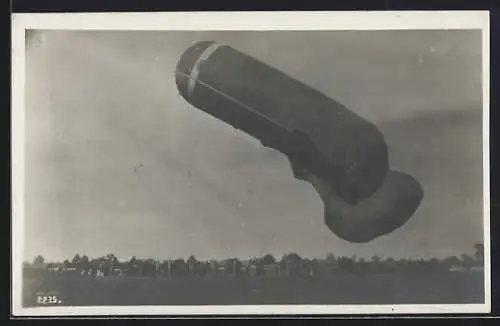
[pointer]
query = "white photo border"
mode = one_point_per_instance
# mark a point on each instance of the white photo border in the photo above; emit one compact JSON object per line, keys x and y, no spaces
{"x":198,"y":21}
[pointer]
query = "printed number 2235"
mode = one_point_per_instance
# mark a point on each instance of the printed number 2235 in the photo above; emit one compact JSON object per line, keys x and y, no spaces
{"x":47,"y":299}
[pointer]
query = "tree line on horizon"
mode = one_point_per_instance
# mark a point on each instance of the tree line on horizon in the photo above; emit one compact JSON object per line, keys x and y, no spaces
{"x":265,"y":265}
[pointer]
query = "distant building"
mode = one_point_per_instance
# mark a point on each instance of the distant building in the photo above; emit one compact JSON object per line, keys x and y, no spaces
{"x":119,"y":269}
{"x":271,"y":269}
{"x":55,"y":268}
{"x":165,"y":268}
{"x":252,"y":269}
{"x":289,"y":268}
{"x":294,"y":265}
{"x":245,"y":267}
{"x":34,"y":270}
{"x":71,"y":269}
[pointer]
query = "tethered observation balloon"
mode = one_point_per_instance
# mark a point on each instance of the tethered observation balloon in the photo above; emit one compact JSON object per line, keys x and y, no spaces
{"x":342,"y":155}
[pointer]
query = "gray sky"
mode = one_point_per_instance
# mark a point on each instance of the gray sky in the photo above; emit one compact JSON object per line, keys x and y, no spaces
{"x":100,"y":104}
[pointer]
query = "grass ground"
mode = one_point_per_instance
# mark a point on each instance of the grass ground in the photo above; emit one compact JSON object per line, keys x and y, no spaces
{"x":444,"y":288}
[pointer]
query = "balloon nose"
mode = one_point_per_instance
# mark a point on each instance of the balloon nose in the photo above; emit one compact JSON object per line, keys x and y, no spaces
{"x":186,"y":64}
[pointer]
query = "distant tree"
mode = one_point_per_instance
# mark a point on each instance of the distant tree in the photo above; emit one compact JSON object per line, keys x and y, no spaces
{"x":435,"y":264}
{"x":268,"y":259}
{"x":329,"y":264}
{"x":374,"y":264}
{"x":84,"y":261}
{"x":164,"y":268}
{"x":85,"y":264}
{"x":291,"y":264}
{"x":292,"y":257}
{"x":467,"y":261}
{"x":38,"y":260}
{"x":330,"y":258}
{"x":105,"y":266}
{"x":451,"y":261}
{"x":376,"y":258}
{"x":76,"y":259}
{"x":259,"y":264}
{"x":346,"y":263}
{"x":479,"y":254}
{"x":66,"y":262}
{"x":111,"y":258}
{"x":315,"y":267}
{"x":133,"y":266}
{"x":192,"y":265}
{"x":179,"y":267}
{"x":237,"y":265}
{"x":204,"y":267}
{"x":148,"y":267}
{"x":212,"y":267}
{"x":232,"y":266}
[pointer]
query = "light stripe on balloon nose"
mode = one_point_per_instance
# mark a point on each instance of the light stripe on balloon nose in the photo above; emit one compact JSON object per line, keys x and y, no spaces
{"x":193,"y":77}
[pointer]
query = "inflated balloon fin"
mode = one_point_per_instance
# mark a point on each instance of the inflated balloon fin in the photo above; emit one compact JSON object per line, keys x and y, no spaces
{"x":342,"y":155}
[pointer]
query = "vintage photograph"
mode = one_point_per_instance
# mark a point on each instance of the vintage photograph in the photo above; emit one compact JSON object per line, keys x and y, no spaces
{"x":252,"y":168}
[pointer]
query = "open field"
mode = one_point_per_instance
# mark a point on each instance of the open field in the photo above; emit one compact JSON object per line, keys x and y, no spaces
{"x":438,"y":288}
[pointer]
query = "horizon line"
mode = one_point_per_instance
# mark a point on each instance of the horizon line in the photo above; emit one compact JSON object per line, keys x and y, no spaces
{"x":277,"y":257}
